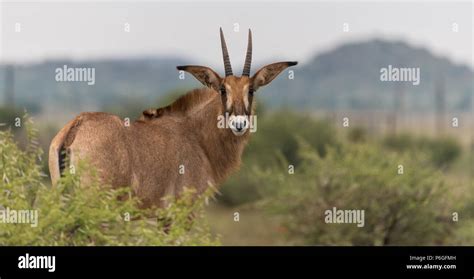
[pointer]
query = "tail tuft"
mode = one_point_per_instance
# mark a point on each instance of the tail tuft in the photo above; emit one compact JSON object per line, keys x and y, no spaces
{"x":63,"y":161}
{"x":59,"y":150}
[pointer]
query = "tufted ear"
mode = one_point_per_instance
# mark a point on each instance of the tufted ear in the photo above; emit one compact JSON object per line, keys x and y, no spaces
{"x":267,"y":73}
{"x":204,"y":74}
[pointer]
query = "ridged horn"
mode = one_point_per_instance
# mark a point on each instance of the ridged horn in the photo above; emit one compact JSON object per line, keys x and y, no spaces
{"x":248,"y":56}
{"x":225,"y":55}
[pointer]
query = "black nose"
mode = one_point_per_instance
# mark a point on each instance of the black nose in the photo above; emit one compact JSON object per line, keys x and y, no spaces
{"x":240,"y":125}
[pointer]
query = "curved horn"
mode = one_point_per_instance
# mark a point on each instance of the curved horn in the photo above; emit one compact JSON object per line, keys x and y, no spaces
{"x":248,"y":56}
{"x":225,"y":55}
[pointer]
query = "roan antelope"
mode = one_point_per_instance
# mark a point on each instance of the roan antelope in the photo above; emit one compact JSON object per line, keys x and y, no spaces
{"x":148,"y":153}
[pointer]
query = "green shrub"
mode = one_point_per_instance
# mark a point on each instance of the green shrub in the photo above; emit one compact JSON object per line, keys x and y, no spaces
{"x":73,"y":213}
{"x":274,"y":142}
{"x":400,"y":209}
{"x":7,"y":116}
{"x":357,"y":135}
{"x":464,"y":235}
{"x":443,"y":151}
{"x":240,"y":188}
{"x":277,"y":134}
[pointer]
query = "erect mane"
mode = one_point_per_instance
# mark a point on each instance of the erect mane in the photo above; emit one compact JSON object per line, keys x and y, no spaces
{"x":184,"y":105}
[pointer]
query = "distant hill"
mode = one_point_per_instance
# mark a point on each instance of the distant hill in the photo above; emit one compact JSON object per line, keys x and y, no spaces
{"x":116,"y":81}
{"x":347,"y":77}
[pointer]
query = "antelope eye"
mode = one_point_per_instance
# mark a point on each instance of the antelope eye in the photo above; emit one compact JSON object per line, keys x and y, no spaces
{"x":223,"y":90}
{"x":251,"y":92}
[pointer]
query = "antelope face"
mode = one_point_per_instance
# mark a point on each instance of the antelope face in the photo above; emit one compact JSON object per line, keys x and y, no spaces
{"x":237,"y":100}
{"x":237,"y":92}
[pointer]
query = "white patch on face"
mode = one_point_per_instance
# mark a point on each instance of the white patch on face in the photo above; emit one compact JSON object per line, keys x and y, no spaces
{"x":238,"y":124}
{"x":246,"y":97}
{"x":228,"y":104}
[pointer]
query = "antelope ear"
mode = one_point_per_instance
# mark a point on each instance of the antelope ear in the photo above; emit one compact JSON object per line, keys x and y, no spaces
{"x":204,"y":74}
{"x":267,"y":73}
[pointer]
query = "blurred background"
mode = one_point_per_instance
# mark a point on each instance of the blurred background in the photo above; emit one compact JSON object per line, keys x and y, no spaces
{"x":341,"y":47}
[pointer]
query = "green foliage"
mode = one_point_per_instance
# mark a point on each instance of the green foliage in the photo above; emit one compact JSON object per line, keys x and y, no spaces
{"x":7,"y":117}
{"x":240,"y":188}
{"x":277,"y":134}
{"x":19,"y":168}
{"x":464,"y":235}
{"x":407,"y":209}
{"x":443,"y":151}
{"x":357,"y":134}
{"x":275,"y":141}
{"x":78,"y":213}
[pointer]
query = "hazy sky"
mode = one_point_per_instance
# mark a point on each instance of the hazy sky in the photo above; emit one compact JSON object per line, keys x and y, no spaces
{"x":281,"y":30}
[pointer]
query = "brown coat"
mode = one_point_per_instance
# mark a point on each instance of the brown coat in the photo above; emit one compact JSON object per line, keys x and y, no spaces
{"x":151,"y":154}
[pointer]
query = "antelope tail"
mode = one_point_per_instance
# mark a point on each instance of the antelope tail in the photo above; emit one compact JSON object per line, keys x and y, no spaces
{"x":59,"y":149}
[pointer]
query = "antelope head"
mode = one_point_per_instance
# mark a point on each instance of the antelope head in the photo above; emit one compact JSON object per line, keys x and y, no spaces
{"x":237,"y":92}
